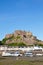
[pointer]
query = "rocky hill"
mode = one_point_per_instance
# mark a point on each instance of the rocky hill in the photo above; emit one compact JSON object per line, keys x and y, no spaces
{"x":21,"y":37}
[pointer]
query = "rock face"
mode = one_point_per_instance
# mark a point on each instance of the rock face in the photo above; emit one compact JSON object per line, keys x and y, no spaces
{"x":21,"y":36}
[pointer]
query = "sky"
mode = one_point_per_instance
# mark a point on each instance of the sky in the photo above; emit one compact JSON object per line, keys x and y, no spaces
{"x":21,"y":15}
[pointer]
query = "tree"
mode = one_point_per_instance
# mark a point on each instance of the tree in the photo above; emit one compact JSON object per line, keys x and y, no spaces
{"x":1,"y":43}
{"x":4,"y":40}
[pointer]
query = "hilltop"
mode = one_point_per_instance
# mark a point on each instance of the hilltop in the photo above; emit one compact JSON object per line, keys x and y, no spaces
{"x":20,"y":37}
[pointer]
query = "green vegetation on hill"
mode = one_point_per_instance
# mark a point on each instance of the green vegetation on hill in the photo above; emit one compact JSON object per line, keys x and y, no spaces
{"x":12,"y":44}
{"x":18,"y":37}
{"x":21,"y":44}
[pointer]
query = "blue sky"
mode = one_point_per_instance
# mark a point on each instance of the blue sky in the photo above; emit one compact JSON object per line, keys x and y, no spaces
{"x":21,"y":15}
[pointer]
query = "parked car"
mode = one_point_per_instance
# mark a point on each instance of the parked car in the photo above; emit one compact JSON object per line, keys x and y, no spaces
{"x":11,"y":54}
{"x":28,"y":54}
{"x":38,"y":54}
{"x":6,"y":54}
